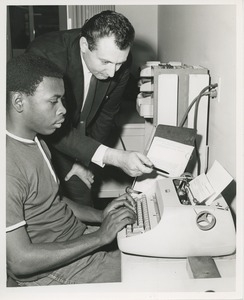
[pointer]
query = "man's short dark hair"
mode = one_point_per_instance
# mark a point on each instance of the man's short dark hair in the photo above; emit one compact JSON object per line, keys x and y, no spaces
{"x":25,"y":72}
{"x":105,"y":24}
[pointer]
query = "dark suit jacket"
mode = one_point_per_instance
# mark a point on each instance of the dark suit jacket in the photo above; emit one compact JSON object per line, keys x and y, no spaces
{"x":81,"y":135}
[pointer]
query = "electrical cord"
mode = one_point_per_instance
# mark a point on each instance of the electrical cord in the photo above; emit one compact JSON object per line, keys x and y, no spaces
{"x":196,"y":101}
{"x":184,"y":118}
{"x":122,"y":142}
{"x":210,"y":87}
{"x":119,"y":135}
{"x":195,"y":127}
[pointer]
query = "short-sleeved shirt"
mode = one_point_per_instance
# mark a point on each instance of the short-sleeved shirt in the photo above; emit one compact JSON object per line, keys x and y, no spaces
{"x":33,"y":198}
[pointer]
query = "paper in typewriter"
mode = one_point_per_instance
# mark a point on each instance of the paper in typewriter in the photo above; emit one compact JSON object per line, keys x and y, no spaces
{"x":169,"y":155}
{"x":209,"y":186}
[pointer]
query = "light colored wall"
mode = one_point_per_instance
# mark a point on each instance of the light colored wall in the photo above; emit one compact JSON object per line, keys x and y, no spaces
{"x":206,"y":35}
{"x":197,"y":35}
{"x":144,"y":20}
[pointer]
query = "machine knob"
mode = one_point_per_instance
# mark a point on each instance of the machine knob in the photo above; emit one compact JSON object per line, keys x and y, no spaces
{"x":205,"y":220}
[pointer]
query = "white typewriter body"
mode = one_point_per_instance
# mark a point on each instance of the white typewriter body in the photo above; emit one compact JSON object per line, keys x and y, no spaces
{"x":179,"y":230}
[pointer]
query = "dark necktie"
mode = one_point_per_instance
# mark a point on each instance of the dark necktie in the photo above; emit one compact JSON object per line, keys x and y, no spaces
{"x":89,"y":98}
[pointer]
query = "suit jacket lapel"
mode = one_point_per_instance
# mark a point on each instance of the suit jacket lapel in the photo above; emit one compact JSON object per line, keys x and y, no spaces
{"x":75,"y":74}
{"x":100,"y":94}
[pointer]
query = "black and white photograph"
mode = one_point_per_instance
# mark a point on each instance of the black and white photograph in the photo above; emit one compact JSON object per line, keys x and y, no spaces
{"x":122,"y":149}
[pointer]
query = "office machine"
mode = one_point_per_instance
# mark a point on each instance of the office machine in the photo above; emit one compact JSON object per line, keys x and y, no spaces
{"x":172,"y":224}
{"x":166,"y":91}
{"x":171,"y":87}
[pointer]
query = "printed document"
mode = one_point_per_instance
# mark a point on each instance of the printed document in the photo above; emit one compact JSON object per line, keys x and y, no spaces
{"x":209,"y":186}
{"x":169,"y":156}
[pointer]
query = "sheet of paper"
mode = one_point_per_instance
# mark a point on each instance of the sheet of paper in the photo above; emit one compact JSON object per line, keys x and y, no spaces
{"x":219,"y":179}
{"x":201,"y":188}
{"x":145,"y":182}
{"x":169,"y":156}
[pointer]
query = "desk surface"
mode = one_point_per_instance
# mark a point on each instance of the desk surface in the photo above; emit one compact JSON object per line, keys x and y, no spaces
{"x":147,"y":274}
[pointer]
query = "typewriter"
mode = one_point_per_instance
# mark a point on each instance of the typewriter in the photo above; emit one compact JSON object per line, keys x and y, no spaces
{"x":170,"y":224}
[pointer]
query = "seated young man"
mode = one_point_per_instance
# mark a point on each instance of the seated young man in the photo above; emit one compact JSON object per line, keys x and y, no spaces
{"x":48,"y":241}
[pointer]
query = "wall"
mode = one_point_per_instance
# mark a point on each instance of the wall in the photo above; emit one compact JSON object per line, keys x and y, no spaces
{"x":196,"y":35}
{"x":144,"y":20}
{"x":206,"y":35}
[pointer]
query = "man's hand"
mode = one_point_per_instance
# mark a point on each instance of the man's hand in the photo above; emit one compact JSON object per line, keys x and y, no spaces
{"x":123,"y":201}
{"x":117,"y":215}
{"x":83,"y":173}
{"x":132,"y":163}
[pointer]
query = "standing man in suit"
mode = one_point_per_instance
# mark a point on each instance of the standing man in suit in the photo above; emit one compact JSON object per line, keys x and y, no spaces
{"x":95,"y":60}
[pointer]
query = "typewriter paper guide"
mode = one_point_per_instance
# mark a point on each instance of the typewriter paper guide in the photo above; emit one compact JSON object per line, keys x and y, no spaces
{"x":169,"y":155}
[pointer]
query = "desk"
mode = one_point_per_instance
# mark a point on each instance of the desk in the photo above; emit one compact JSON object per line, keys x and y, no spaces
{"x":148,"y":274}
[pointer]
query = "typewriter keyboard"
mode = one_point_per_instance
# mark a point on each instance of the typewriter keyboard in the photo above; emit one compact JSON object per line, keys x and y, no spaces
{"x":143,"y":221}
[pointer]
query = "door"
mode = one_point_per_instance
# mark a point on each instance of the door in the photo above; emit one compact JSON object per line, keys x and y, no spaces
{"x":28,"y":22}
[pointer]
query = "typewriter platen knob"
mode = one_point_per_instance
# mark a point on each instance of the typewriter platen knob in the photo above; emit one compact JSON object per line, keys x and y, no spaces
{"x":205,"y":220}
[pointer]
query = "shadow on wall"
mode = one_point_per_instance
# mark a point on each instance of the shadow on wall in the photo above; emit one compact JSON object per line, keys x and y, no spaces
{"x":229,"y":194}
{"x":141,"y":53}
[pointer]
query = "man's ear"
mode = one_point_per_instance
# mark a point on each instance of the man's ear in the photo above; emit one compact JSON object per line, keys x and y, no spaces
{"x":17,"y":101}
{"x":83,"y":44}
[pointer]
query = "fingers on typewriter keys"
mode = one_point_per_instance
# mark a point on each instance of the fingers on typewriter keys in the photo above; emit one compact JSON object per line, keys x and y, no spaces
{"x":133,"y":193}
{"x":128,"y":201}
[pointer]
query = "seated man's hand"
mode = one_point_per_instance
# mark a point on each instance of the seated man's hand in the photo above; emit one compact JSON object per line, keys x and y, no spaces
{"x":119,"y":213}
{"x":83,"y":173}
{"x":123,"y":201}
{"x":132,"y":163}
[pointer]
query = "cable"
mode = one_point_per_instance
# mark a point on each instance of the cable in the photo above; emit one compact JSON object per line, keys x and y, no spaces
{"x":196,"y":101}
{"x":119,"y":135}
{"x":122,"y":142}
{"x":210,"y":87}
{"x":195,"y":127}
